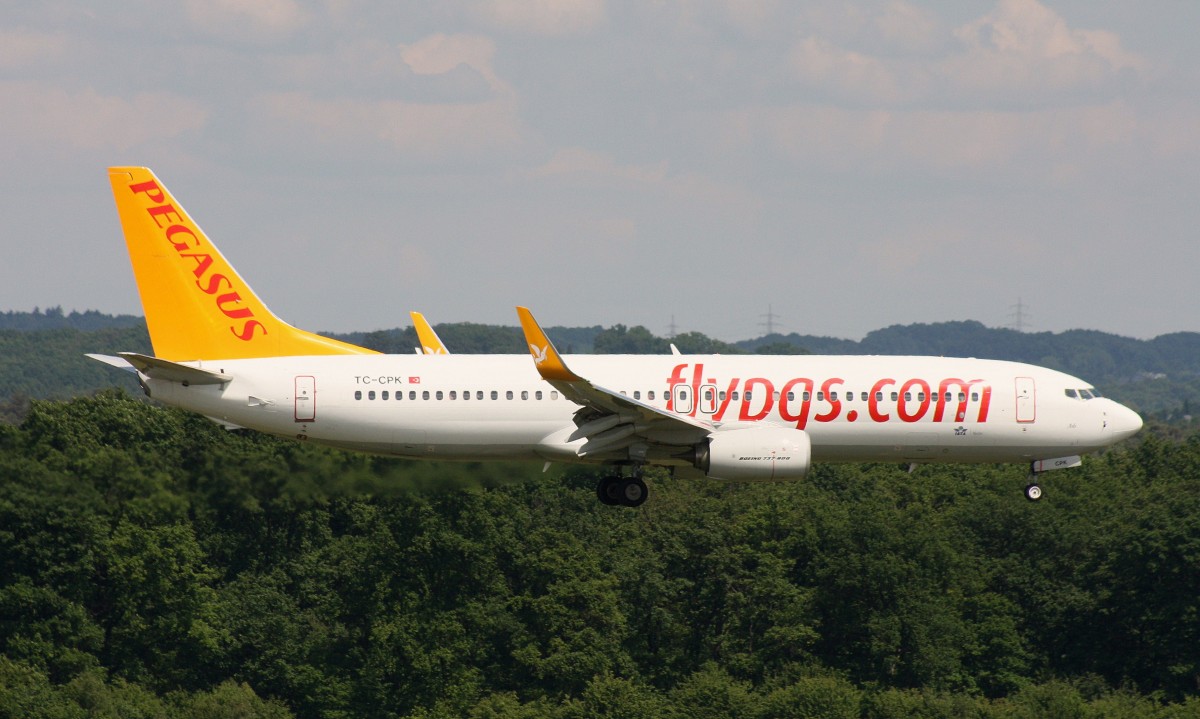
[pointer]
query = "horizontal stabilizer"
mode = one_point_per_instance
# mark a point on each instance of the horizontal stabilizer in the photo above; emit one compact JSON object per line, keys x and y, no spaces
{"x":119,"y":362}
{"x":156,"y":368}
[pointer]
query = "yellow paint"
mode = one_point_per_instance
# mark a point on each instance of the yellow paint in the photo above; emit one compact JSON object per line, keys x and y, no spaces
{"x":197,"y":306}
{"x":549,"y":363}
{"x":431,"y":344}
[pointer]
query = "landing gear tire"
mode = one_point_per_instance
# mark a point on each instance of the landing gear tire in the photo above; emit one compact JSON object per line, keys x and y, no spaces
{"x":633,"y":492}
{"x":1033,"y":492}
{"x":608,"y":490}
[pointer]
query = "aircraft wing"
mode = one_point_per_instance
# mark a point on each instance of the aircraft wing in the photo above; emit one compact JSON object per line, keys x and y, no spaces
{"x":608,"y":420}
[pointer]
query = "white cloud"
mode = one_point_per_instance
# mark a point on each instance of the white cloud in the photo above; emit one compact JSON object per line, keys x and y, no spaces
{"x":544,"y":17}
{"x":257,"y":22}
{"x":425,"y":130}
{"x":439,"y":54}
{"x":1024,"y":46}
{"x":55,"y":121}
{"x":22,"y":48}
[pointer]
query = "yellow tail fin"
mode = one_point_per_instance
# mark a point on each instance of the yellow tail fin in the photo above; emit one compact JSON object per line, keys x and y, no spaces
{"x":196,"y":305}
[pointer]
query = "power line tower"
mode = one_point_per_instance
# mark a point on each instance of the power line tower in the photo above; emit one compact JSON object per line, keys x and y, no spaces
{"x":672,"y":329}
{"x":769,"y":324}
{"x":1019,"y":316}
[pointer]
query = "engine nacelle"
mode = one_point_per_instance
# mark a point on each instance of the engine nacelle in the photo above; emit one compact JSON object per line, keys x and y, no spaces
{"x":755,"y":454}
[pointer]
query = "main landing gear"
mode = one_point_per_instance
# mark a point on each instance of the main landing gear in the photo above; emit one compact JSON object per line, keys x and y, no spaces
{"x":615,"y":490}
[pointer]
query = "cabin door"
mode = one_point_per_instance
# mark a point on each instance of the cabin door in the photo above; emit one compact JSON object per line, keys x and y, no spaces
{"x":306,"y":398}
{"x":1026,"y":400}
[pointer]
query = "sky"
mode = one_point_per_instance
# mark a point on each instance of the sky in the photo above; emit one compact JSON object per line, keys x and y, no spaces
{"x":691,"y":163}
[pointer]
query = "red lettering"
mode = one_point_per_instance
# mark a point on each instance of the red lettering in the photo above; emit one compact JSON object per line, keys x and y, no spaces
{"x":747,"y":396}
{"x":964,"y":389}
{"x":985,"y":403}
{"x":725,"y":397}
{"x":697,"y":373}
{"x":150,"y":189}
{"x":801,"y":419}
{"x":835,"y":405}
{"x":181,"y":246}
{"x":165,"y":211}
{"x":873,"y":401}
{"x":902,"y":405}
{"x":248,"y":329}
{"x":214,"y":284}
{"x":203,"y":262}
{"x":676,"y":378}
{"x":233,"y":298}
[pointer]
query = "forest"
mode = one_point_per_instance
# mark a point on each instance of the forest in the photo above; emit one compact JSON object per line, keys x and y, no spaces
{"x":153,"y":564}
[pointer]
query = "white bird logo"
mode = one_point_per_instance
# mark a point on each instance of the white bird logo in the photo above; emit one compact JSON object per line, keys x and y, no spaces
{"x":539,"y":353}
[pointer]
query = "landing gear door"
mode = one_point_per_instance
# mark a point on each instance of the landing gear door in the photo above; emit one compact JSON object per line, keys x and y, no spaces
{"x":306,"y":398}
{"x":1026,"y":400}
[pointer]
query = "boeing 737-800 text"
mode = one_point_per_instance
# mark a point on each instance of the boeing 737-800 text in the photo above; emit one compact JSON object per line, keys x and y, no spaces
{"x":219,"y":351}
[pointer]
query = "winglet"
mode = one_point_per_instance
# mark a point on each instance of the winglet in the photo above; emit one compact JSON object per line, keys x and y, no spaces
{"x":549,"y":363}
{"x":431,"y":344}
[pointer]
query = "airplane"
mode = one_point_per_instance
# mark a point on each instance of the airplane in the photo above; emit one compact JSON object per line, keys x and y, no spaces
{"x":220,"y":352}
{"x":431,"y":344}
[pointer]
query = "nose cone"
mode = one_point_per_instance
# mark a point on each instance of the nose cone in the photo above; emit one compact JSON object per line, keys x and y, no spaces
{"x":1123,"y":422}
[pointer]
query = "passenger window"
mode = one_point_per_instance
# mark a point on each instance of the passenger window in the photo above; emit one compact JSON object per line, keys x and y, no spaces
{"x":791,"y":396}
{"x":637,"y":394}
{"x":962,"y":396}
{"x":524,"y":394}
{"x":721,"y":395}
{"x":466,"y":394}
{"x":453,"y":395}
{"x":509,"y":394}
{"x":683,"y":395}
{"x":412,"y":394}
{"x":865,"y":396}
{"x":479,"y":394}
{"x":974,"y":396}
{"x":833,"y":396}
{"x":383,"y":395}
{"x":553,"y":394}
{"x":371,"y":394}
{"x":495,"y":394}
{"x":820,"y":396}
{"x":879,"y":396}
{"x":439,"y":394}
{"x":537,"y":395}
{"x":650,"y":395}
{"x":808,"y":396}
{"x":425,"y":394}
{"x":775,"y":395}
{"x":358,"y":394}
{"x":920,"y":396}
{"x":895,"y":396}
{"x":908,"y":396}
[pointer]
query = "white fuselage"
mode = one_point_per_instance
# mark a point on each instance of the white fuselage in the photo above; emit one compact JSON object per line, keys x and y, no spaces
{"x":497,"y":406}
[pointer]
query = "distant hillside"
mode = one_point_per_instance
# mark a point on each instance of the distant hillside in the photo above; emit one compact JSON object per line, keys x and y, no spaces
{"x":53,"y":318}
{"x":41,"y":352}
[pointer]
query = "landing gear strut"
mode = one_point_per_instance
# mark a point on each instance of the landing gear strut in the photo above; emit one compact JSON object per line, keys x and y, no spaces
{"x":1033,"y":490}
{"x":615,"y":490}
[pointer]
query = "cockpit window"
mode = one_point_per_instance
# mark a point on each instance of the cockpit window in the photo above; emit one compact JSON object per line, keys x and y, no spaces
{"x":1072,"y":394}
{"x":1084,"y":393}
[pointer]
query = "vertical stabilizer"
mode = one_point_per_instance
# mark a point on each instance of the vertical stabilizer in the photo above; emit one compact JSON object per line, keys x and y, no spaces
{"x":197,"y":306}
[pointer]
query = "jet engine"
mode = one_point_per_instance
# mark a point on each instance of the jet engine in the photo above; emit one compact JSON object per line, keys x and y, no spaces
{"x":755,"y":454}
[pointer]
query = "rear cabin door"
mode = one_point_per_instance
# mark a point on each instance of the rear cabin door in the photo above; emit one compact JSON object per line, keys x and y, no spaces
{"x":306,"y":398}
{"x":1026,"y":400}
